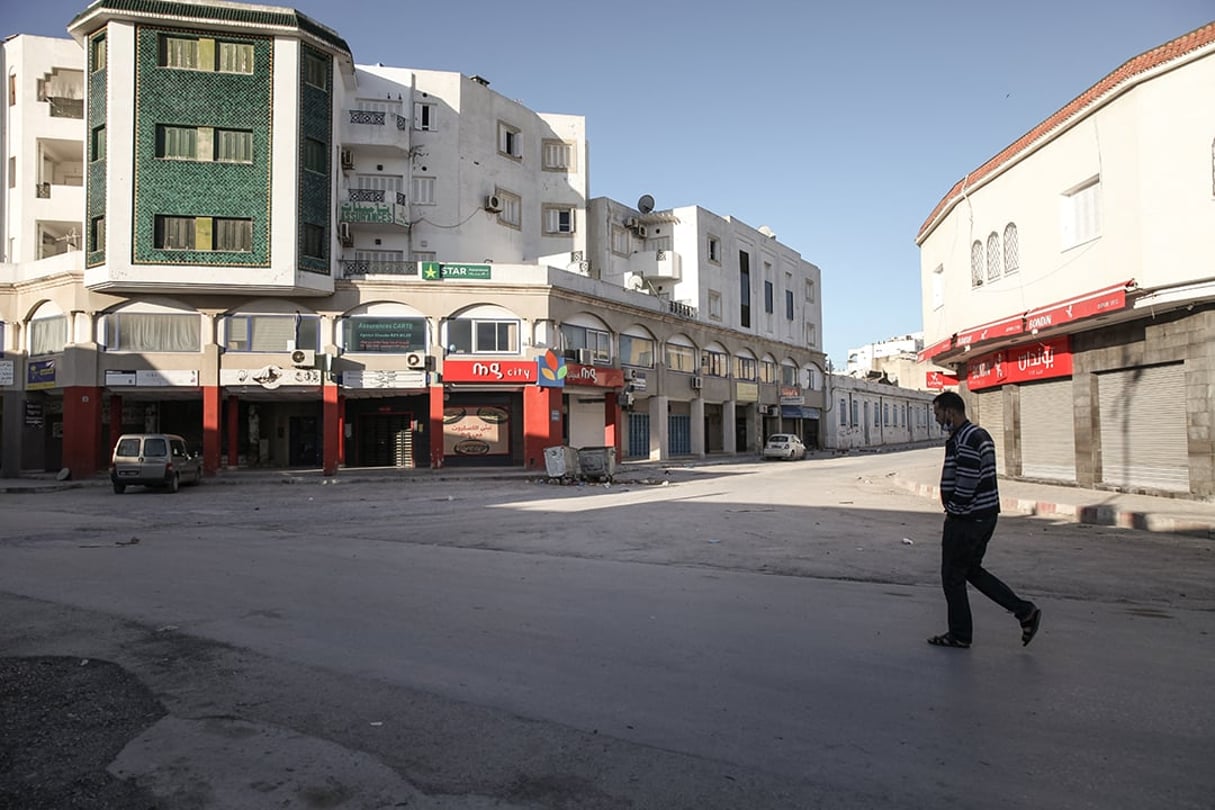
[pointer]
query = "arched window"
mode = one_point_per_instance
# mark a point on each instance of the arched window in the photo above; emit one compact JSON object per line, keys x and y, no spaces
{"x":976,"y":264}
{"x":1012,"y":263}
{"x":993,"y":256}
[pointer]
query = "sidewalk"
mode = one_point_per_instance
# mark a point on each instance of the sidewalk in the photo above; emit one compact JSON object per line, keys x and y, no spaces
{"x":919,"y":471}
{"x":915,"y":470}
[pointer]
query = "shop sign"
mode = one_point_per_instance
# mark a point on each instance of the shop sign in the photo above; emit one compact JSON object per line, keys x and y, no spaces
{"x":747,"y":392}
{"x":389,"y":335}
{"x":476,"y":430}
{"x":7,"y":372}
{"x":551,"y":370}
{"x":1110,"y":299}
{"x":792,"y":395}
{"x":510,"y":372}
{"x":937,"y":380}
{"x":437,"y":271}
{"x":270,"y":376}
{"x":149,"y":378}
{"x":991,"y":331}
{"x":1040,"y":360}
{"x":33,"y":413}
{"x":376,"y":213}
{"x":594,"y":376}
{"x":389,"y":378}
{"x":40,"y":374}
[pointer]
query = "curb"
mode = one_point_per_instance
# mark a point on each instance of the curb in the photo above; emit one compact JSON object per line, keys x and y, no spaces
{"x":1098,"y":515}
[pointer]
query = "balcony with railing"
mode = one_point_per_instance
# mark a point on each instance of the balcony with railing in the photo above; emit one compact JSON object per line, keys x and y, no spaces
{"x":372,"y":129}
{"x":377,"y":195}
{"x":63,"y":91}
{"x":358,"y":268}
{"x":657,"y":265}
{"x":376,"y":215}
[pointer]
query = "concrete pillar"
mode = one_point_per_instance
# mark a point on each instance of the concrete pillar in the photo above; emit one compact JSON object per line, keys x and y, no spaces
{"x":660,"y":447}
{"x":729,"y":437}
{"x":698,"y":427}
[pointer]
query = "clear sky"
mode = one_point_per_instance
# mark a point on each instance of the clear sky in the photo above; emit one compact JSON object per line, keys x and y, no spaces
{"x":840,"y":125}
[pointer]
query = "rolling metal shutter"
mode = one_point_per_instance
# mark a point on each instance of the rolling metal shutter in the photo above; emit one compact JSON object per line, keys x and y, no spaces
{"x":639,"y":435}
{"x":1048,"y":431}
{"x":990,"y":416}
{"x":1143,"y":428}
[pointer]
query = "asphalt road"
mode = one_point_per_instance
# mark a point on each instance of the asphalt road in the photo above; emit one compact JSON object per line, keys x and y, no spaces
{"x":743,"y":636}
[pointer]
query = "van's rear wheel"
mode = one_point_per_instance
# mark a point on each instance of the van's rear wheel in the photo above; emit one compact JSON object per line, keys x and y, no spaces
{"x":175,"y":482}
{"x":119,"y":488}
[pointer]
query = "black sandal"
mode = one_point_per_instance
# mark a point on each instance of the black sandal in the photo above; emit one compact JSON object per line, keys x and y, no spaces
{"x":1029,"y":626}
{"x":947,"y":640}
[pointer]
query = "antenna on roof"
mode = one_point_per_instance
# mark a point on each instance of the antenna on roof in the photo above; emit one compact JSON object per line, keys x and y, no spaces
{"x":645,"y":204}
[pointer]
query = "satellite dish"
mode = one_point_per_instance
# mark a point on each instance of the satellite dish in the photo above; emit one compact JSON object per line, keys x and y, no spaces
{"x":646,"y":204}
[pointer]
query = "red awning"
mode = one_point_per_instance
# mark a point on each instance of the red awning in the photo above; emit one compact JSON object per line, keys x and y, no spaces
{"x":935,"y":349}
{"x":1087,"y":305}
{"x":990,"y":331}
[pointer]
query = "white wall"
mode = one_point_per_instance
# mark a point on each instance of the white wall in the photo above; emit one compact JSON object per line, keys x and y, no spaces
{"x":1151,"y":146}
{"x":22,"y":126}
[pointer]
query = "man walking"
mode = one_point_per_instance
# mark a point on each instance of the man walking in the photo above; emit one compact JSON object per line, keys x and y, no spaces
{"x":972,"y":504}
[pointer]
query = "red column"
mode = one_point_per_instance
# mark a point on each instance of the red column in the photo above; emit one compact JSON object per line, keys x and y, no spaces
{"x":541,"y":423}
{"x":233,"y":432}
{"x":332,"y":427}
{"x":612,"y":434}
{"x":81,"y":429}
{"x":436,"y":426}
{"x":211,"y":428}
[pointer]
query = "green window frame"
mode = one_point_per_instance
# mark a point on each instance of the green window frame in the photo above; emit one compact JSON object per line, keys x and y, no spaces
{"x":235,"y":57}
{"x":314,"y":241}
{"x":233,"y":146}
{"x":316,"y":156}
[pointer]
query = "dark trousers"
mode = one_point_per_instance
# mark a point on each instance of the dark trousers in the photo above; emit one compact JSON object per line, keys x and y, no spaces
{"x":963,"y":544}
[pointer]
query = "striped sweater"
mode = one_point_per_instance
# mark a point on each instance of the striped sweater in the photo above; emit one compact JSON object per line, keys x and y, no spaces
{"x":968,"y":478}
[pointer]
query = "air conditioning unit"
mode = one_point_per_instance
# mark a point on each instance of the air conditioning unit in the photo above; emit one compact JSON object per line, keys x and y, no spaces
{"x":641,"y":231}
{"x":416,"y":360}
{"x":586,"y":357}
{"x":698,"y":383}
{"x":626,"y":400}
{"x":631,"y":374}
{"x":631,"y":222}
{"x":576,"y":256}
{"x":493,"y":203}
{"x":303,"y":358}
{"x":347,"y":160}
{"x":344,"y":234}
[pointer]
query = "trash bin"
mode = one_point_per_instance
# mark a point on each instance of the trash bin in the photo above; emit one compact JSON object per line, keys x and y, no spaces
{"x":597,"y":462}
{"x":560,"y":461}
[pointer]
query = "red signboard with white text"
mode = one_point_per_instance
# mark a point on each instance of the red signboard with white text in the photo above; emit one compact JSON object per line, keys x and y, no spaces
{"x":594,"y":376}
{"x":510,"y":372}
{"x":1039,"y":360}
{"x":937,"y":380}
{"x":524,"y":372}
{"x":1009,"y":326}
{"x":1099,"y":302}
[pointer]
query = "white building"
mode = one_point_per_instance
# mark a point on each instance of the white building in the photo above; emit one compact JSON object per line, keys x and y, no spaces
{"x":1069,"y":281}
{"x":371,"y":265}
{"x":864,"y":359}
{"x":869,"y":413}
{"x":42,"y":132}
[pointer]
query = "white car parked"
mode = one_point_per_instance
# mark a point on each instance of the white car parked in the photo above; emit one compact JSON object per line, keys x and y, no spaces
{"x":784,"y":445}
